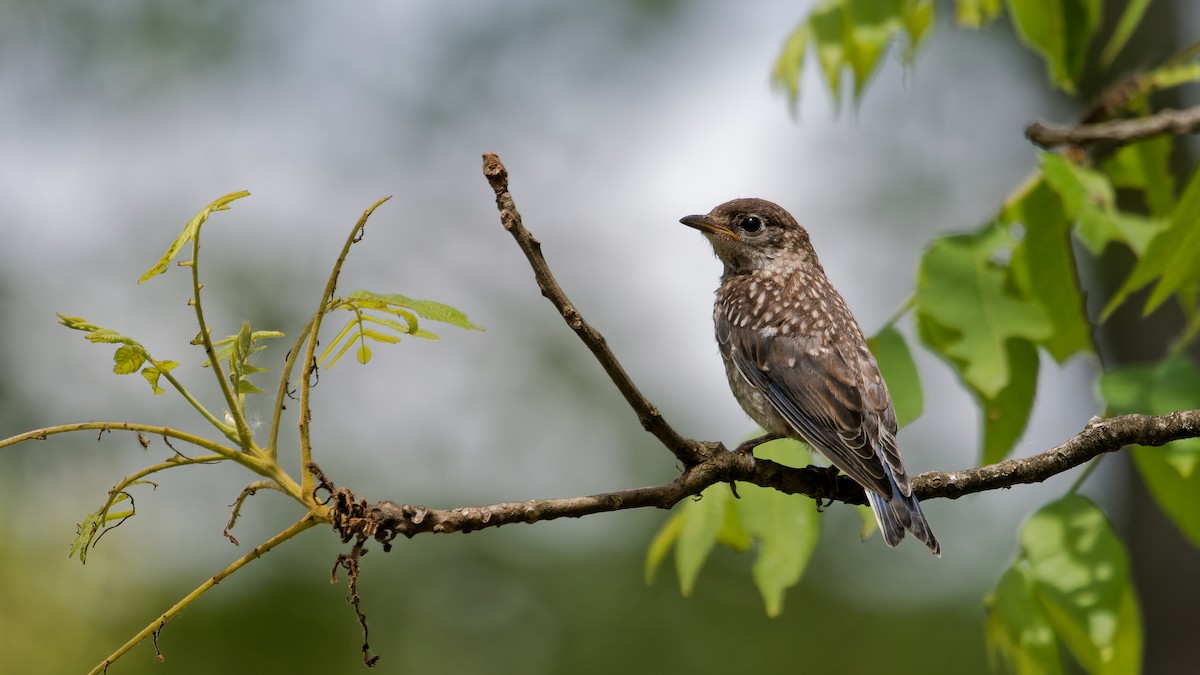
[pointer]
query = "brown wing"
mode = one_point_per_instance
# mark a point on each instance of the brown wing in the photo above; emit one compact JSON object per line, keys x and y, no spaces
{"x":814,"y":387}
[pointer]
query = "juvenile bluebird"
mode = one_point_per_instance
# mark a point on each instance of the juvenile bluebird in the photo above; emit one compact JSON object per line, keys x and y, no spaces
{"x":797,"y":361}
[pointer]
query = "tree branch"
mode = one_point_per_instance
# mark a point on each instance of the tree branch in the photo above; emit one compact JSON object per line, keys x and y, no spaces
{"x":384,"y":520}
{"x":706,"y":463}
{"x":1168,"y":121}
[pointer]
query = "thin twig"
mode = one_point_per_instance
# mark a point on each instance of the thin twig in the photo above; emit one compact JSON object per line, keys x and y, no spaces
{"x":1117,"y":132}
{"x":306,"y":479}
{"x":243,"y":437}
{"x":652,"y":420}
{"x":155,"y":626}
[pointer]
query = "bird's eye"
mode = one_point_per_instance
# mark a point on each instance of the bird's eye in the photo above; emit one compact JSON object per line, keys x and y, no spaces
{"x":751,"y":224}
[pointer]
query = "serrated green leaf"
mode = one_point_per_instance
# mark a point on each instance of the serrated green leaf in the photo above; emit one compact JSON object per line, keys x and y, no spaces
{"x":899,"y":372}
{"x":976,"y":13}
{"x":661,"y":545}
{"x":703,"y":521}
{"x":189,"y":231}
{"x":1145,"y":166}
{"x":128,"y":359}
{"x":972,"y":300}
{"x":1018,"y":631}
{"x":85,"y":532}
{"x":1081,"y":578}
{"x":1060,"y":31}
{"x":1170,"y":258}
{"x":785,"y":527}
{"x":153,"y":373}
{"x":1089,"y":199}
{"x":1170,"y":472}
{"x":1043,"y":265}
{"x":1130,"y":18}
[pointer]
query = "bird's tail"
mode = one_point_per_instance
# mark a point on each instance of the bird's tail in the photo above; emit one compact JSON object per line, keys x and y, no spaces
{"x":902,"y":512}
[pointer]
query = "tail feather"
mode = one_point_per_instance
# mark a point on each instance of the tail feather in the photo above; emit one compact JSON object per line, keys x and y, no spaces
{"x":902,"y":512}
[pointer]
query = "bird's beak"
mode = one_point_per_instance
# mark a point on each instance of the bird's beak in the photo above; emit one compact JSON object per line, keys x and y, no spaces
{"x":707,"y":226}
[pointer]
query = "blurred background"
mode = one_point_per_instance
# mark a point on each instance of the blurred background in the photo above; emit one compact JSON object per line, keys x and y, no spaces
{"x":119,"y":120}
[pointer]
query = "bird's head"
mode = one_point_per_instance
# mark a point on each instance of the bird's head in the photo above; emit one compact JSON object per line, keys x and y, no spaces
{"x":751,"y":234}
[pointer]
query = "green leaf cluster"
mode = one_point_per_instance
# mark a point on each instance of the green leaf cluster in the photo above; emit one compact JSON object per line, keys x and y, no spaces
{"x":231,"y":360}
{"x":129,"y":357}
{"x":782,"y":529}
{"x":854,"y":35}
{"x":236,"y":350}
{"x":372,"y":319}
{"x":851,"y":36}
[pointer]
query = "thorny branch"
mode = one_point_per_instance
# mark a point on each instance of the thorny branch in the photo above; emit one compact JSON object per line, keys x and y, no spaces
{"x":706,"y":463}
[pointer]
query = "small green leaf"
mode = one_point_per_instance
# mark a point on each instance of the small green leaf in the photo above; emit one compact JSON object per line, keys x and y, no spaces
{"x":1130,"y":18}
{"x":76,"y":323}
{"x":1017,"y":629}
{"x":95,"y":333}
{"x":85,"y":532}
{"x":153,"y":373}
{"x":1170,"y":471}
{"x":128,"y":359}
{"x":1170,"y":258}
{"x":1043,"y":265}
{"x":900,"y":373}
{"x":247,"y":387}
{"x":363,"y":354}
{"x":976,"y":308}
{"x":1081,"y":574}
{"x":1060,"y":31}
{"x":189,"y":231}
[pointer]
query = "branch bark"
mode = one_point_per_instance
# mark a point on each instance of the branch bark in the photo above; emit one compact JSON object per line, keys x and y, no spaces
{"x":707,"y":463}
{"x":1118,"y":132}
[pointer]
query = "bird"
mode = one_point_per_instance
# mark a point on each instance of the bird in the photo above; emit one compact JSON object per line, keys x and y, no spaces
{"x":797,"y":361}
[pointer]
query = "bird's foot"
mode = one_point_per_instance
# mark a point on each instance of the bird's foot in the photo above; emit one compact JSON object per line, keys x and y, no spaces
{"x":829,"y":477}
{"x":747,"y":447}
